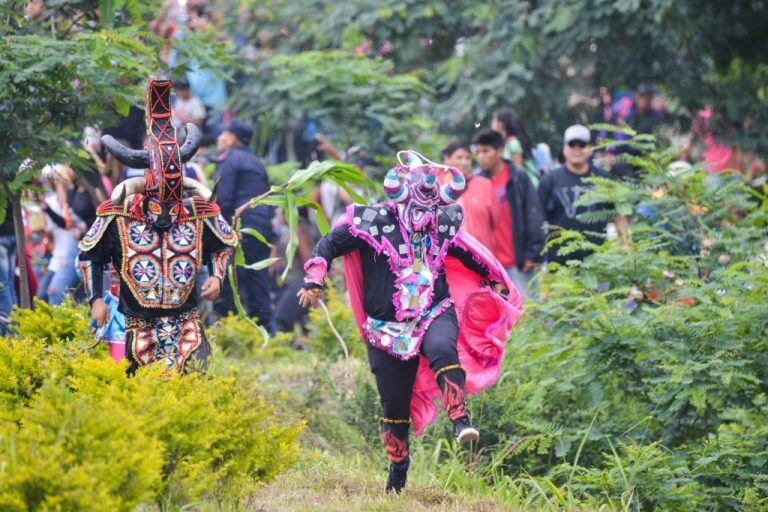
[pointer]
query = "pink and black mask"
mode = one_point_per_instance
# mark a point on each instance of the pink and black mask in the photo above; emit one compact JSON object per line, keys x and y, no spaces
{"x":414,"y":186}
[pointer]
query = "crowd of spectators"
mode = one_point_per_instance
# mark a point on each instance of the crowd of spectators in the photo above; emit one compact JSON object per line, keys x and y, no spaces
{"x":518,"y":193}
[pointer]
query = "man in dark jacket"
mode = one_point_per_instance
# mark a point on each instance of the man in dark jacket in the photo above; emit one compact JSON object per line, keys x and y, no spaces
{"x":241,"y":177}
{"x":518,"y":232}
{"x":561,"y":188}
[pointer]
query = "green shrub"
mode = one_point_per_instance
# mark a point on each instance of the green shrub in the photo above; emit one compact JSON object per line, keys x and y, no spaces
{"x":638,"y":478}
{"x":322,"y":338}
{"x":235,"y":336}
{"x":83,"y":436}
{"x":75,"y":451}
{"x":656,"y":344}
{"x":54,"y":324}
{"x":363,"y":409}
{"x":25,"y":363}
{"x":240,"y":338}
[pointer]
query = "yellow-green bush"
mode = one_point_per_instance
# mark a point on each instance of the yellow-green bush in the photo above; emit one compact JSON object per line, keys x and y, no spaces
{"x":75,"y":451}
{"x":25,"y":363}
{"x":77,"y":434}
{"x":235,"y":336}
{"x":54,"y":324}
{"x":239,"y":337}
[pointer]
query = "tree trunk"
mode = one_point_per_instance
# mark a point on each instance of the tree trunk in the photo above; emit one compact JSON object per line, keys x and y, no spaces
{"x":18,"y":226}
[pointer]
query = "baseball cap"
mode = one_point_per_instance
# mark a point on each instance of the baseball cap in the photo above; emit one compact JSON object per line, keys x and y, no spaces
{"x":241,"y":130}
{"x":577,"y":132}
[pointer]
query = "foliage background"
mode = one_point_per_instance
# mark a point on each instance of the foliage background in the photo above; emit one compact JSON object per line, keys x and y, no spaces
{"x":545,"y":59}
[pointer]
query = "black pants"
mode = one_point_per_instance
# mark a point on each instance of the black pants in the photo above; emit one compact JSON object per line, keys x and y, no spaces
{"x":395,"y":379}
{"x":252,"y":285}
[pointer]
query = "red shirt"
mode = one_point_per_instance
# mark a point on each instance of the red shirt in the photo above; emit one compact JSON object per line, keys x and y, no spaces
{"x":479,"y":215}
{"x":503,"y":246}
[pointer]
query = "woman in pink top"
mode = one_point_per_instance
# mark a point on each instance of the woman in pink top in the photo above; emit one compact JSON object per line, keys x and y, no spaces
{"x":477,"y":199}
{"x":718,"y":156}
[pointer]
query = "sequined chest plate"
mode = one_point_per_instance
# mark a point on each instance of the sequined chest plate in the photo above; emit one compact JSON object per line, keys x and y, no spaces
{"x":160,"y":267}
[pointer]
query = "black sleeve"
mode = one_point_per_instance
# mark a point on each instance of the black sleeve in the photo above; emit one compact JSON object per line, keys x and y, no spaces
{"x":226,"y":191}
{"x":92,"y":262}
{"x":466,"y":259}
{"x":335,"y":243}
{"x":545,"y":191}
{"x":55,"y":217}
{"x":216,"y":254}
{"x":534,"y":220}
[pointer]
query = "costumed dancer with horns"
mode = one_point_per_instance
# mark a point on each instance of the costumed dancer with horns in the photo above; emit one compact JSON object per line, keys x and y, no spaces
{"x":157,"y":231}
{"x":434,"y":305}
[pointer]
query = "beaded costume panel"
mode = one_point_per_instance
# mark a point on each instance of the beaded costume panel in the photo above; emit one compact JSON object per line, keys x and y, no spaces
{"x":222,"y":230}
{"x":169,"y":340}
{"x":94,"y":234}
{"x":160,"y":267}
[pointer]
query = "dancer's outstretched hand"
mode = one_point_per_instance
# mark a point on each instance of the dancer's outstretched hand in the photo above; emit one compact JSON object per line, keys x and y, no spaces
{"x":309,"y":297}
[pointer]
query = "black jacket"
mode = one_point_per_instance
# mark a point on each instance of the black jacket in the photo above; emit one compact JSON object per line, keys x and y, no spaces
{"x":527,"y":216}
{"x":242,"y":177}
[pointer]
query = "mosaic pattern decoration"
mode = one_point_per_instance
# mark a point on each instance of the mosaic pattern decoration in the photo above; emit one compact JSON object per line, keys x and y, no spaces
{"x":381,"y":227}
{"x":414,"y":288}
{"x":142,"y":237}
{"x":402,"y":339}
{"x":165,"y":157}
{"x":220,"y":262}
{"x":222,"y":230}
{"x":160,"y":267}
{"x":168,"y":340}
{"x":86,"y":272}
{"x":94,"y":234}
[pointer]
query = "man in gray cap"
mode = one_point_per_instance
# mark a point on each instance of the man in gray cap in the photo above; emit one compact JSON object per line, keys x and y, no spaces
{"x":560,"y":189}
{"x":242,"y":176}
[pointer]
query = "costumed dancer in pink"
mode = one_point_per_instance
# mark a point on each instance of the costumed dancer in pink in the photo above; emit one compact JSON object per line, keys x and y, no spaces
{"x":434,"y":305}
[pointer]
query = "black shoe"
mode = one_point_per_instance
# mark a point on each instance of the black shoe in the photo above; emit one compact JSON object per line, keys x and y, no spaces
{"x":398,"y":474}
{"x":464,"y":431}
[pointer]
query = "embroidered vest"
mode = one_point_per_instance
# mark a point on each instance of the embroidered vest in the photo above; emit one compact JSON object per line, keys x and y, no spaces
{"x":160,"y":267}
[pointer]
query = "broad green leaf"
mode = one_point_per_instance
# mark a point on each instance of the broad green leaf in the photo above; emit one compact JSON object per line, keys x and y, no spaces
{"x":256,"y":234}
{"x":235,"y":292}
{"x":259,"y":265}
{"x":357,"y":198}
{"x":322,"y":221}
{"x":292,"y":218}
{"x":122,"y":105}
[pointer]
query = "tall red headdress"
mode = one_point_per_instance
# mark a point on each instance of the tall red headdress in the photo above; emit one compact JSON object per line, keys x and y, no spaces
{"x":162,"y":157}
{"x":164,"y":178}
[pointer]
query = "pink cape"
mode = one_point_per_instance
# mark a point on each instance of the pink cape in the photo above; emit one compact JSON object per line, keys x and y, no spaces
{"x":485,"y":322}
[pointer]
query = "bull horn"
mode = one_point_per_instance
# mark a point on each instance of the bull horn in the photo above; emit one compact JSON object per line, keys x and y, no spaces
{"x":450,"y":193}
{"x":213,"y":190}
{"x":121,"y":200}
{"x":127,"y":188}
{"x":191,"y":142}
{"x":430,"y":178}
{"x":134,"y":158}
{"x":196,"y":188}
{"x":394,"y":188}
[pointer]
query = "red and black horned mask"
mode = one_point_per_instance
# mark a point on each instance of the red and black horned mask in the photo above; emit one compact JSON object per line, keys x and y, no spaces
{"x":159,"y":196}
